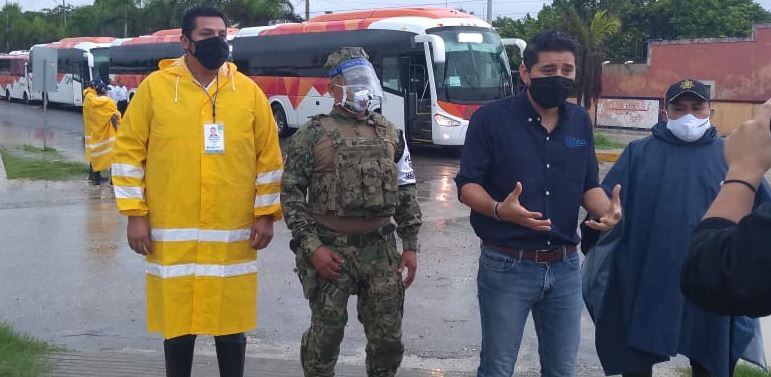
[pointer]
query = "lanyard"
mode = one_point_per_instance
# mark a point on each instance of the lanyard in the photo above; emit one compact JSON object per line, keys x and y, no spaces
{"x":214,"y":99}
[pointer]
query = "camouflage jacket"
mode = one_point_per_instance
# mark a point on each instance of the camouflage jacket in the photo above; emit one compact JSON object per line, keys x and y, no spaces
{"x":298,"y":170}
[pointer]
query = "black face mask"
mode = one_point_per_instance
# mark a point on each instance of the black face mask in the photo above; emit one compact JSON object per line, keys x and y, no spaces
{"x":552,"y":91}
{"x":211,"y":52}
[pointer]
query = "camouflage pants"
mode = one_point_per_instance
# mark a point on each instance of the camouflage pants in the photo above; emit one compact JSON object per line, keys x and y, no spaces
{"x":370,"y":272}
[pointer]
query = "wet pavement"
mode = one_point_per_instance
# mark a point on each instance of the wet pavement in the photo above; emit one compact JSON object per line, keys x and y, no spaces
{"x":69,"y":278}
{"x":61,"y":128}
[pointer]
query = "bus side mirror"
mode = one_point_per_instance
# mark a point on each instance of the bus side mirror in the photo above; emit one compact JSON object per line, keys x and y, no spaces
{"x":437,"y":44}
{"x":521,"y":44}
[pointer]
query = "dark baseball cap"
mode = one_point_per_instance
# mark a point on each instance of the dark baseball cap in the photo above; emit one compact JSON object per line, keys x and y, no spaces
{"x":687,"y":86}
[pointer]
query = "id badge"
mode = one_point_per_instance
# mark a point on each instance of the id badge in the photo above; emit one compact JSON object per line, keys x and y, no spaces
{"x":213,"y":138}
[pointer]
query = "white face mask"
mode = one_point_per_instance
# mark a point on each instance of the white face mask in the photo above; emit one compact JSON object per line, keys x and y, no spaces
{"x":360,"y":101}
{"x":688,"y":128}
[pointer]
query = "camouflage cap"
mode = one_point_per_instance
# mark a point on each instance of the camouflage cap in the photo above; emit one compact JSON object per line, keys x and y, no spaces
{"x":343,"y":54}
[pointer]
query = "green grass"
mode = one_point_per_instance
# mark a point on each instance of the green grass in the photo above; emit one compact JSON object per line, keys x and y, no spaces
{"x":47,"y":152}
{"x":746,"y":370}
{"x":21,"y":355}
{"x":742,"y":370}
{"x":28,"y":162}
{"x":602,"y":141}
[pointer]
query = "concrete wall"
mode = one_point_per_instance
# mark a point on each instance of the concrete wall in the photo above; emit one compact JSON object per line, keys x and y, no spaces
{"x":737,"y":69}
{"x":728,"y":116}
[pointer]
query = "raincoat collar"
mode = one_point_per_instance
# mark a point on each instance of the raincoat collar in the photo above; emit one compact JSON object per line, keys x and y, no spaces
{"x":177,"y":67}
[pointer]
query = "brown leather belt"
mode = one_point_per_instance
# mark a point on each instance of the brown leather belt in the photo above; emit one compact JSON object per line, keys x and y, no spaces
{"x":538,"y":256}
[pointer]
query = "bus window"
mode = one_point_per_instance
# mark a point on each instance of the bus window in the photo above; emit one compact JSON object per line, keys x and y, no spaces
{"x":476,"y":67}
{"x":101,"y":64}
{"x":391,"y":79}
{"x":17,"y":67}
{"x":76,"y":74}
{"x":5,"y":67}
{"x":419,"y":88}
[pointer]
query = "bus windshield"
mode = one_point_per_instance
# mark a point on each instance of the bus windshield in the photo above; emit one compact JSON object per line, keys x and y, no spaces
{"x":476,"y":67}
{"x":101,"y":63}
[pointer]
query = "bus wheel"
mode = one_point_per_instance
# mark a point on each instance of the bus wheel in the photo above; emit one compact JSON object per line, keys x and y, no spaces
{"x":26,"y":99}
{"x":282,"y":126}
{"x":8,"y":95}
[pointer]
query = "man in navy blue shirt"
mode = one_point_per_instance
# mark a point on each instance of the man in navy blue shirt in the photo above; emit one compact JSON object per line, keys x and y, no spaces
{"x":528,"y":165}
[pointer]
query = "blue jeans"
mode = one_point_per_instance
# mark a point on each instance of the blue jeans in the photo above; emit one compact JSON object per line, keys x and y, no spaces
{"x":509,"y":288}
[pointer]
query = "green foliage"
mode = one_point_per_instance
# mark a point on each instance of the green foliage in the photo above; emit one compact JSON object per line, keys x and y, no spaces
{"x":645,"y":20}
{"x":592,"y":35}
{"x":120,"y":18}
{"x":603,"y":141}
{"x":21,"y":356}
{"x":747,"y":370}
{"x":743,"y":369}
{"x":673,"y":19}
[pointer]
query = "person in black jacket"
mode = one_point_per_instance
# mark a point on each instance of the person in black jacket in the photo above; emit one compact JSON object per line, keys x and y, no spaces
{"x":728,"y":270}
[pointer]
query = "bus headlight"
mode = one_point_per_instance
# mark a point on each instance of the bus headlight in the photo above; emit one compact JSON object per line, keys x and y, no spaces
{"x":444,"y":121}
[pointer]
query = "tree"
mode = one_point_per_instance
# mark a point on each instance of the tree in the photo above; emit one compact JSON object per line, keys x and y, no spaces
{"x":645,"y":20}
{"x":119,"y":18}
{"x":526,"y":27}
{"x":24,"y":29}
{"x":260,"y":13}
{"x":677,"y":19}
{"x":592,"y":38}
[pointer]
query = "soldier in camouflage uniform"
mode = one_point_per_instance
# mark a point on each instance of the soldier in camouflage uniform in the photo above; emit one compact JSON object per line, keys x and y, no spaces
{"x":353,"y":166}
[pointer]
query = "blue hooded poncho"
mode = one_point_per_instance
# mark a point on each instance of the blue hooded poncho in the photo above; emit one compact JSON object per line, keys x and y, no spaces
{"x":632,"y":274}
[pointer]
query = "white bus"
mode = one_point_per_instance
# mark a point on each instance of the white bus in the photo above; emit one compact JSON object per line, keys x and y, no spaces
{"x":14,"y":75}
{"x":79,"y":61}
{"x":437,"y":66}
{"x":133,"y":59}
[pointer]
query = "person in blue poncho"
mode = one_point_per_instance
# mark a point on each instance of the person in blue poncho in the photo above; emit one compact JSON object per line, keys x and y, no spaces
{"x":632,"y":274}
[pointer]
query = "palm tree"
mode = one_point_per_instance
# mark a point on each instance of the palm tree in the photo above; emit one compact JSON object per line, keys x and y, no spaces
{"x":592,"y":36}
{"x":260,"y":12}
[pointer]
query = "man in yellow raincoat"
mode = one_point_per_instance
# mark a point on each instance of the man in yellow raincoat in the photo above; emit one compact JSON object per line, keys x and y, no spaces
{"x":100,"y":120}
{"x":199,"y":202}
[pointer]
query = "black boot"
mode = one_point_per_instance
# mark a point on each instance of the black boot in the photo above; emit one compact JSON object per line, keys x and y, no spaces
{"x":179,"y":355}
{"x":92,"y":175}
{"x":231,"y":354}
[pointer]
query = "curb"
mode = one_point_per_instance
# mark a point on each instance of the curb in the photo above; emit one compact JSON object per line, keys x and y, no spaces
{"x":608,"y":156}
{"x":116,"y":364}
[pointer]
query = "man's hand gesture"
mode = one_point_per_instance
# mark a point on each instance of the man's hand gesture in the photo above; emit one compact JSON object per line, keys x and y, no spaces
{"x":612,"y":215}
{"x":511,"y":210}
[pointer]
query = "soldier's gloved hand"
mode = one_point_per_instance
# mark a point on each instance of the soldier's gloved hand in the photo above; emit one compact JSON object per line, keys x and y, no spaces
{"x":409,"y":260}
{"x":327,"y":263}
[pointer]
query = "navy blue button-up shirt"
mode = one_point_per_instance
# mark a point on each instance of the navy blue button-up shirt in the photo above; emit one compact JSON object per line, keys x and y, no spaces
{"x":506,"y":144}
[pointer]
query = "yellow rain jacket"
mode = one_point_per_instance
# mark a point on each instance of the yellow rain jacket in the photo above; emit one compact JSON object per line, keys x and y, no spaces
{"x":202,"y":275}
{"x":99,"y":130}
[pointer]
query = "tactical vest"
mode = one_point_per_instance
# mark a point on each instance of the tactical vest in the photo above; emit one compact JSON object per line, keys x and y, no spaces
{"x":363,"y":182}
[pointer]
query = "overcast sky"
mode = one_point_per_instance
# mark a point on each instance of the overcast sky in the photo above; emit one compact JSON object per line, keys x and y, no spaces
{"x":510,"y":8}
